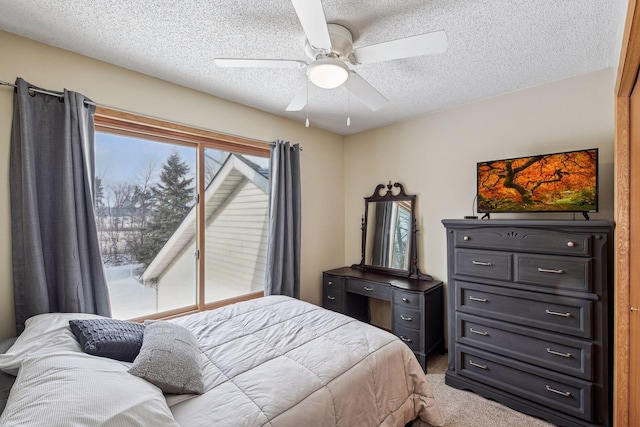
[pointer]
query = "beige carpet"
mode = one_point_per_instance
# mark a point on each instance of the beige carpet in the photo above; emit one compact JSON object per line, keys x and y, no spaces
{"x":466,"y":409}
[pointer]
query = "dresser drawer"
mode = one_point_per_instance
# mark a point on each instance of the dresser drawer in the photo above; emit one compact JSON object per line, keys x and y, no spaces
{"x":569,"y":395}
{"x":560,"y":353}
{"x":551,"y":312}
{"x":371,"y":289}
{"x":487,"y":264}
{"x":571,"y":273}
{"x":524,"y":239}
{"x":411,"y":337}
{"x":406,"y":317}
{"x":407,"y":299}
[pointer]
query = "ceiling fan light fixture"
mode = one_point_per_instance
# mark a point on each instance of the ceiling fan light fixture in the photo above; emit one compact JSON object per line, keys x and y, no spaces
{"x":328,"y":73}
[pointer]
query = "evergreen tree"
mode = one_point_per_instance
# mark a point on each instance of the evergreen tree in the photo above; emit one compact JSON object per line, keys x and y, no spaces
{"x":173,"y":198}
{"x":98,"y":197}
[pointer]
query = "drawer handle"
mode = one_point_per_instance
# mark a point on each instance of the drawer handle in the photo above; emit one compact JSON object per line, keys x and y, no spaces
{"x":407,"y":318}
{"x":368,"y":289}
{"x":405,"y":300}
{"x":557,"y":353}
{"x":465,"y":238}
{"x":555,"y":313}
{"x":483,"y":333}
{"x":561,"y":393}
{"x":405,"y":339}
{"x":330,"y":283}
{"x":484,"y":263}
{"x":546,"y":270}
{"x":472,"y":298}
{"x":331,"y":297}
{"x":571,"y":244}
{"x":477,"y":365}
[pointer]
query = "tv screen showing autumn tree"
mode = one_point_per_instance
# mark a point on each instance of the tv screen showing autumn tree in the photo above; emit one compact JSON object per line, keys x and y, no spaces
{"x":566,"y":182}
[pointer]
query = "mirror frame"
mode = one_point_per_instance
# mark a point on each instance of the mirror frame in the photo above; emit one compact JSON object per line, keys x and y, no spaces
{"x":413,"y":272}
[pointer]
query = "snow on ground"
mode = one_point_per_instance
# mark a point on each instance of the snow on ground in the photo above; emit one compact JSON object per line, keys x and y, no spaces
{"x":129,"y":298}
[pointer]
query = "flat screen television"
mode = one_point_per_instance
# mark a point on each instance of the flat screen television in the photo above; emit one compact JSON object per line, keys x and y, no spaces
{"x":558,"y":182}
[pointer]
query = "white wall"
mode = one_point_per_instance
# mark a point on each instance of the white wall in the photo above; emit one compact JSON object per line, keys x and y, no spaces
{"x":435,"y":156}
{"x":322,"y":161}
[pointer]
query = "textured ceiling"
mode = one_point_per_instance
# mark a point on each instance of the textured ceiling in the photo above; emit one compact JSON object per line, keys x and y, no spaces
{"x":495,"y":47}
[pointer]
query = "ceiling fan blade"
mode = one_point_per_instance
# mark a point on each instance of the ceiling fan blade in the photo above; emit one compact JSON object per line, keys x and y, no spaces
{"x":299,"y":101}
{"x":311,"y":16}
{"x":258,"y":63}
{"x":423,"y":44}
{"x":365,"y":92}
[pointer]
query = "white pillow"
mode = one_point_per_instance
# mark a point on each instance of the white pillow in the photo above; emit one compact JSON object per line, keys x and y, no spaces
{"x":74,"y":389}
{"x":43,"y":334}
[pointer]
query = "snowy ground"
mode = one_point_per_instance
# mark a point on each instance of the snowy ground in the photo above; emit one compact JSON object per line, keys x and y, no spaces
{"x":129,"y":298}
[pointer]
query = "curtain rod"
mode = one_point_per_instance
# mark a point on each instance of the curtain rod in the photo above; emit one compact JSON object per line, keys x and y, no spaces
{"x":87,"y":102}
{"x":56,"y":94}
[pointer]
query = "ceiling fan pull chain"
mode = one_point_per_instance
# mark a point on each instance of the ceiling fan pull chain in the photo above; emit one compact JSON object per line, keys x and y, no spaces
{"x":306,"y":123}
{"x":348,"y":109}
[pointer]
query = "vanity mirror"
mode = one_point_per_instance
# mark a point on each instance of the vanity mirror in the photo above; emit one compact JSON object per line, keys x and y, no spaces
{"x":389,"y":233}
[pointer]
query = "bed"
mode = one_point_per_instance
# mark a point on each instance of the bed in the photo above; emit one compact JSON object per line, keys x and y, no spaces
{"x":273,"y":361}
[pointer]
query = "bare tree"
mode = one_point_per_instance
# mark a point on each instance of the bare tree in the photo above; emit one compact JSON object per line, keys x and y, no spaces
{"x":212,"y":163}
{"x":118,"y":219}
{"x":141,"y":204}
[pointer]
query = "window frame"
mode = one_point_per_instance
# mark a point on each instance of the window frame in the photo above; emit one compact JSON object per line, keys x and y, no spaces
{"x":109,"y":120}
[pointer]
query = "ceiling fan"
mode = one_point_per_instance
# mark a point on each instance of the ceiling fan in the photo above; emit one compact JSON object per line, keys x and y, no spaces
{"x":330,"y":49}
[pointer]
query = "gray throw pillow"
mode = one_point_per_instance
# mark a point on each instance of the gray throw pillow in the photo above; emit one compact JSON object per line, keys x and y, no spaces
{"x":112,"y":338}
{"x":169,"y":359}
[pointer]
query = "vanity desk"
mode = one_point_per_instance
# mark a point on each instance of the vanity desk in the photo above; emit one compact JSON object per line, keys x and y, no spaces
{"x":416,"y":305}
{"x":389,"y":271}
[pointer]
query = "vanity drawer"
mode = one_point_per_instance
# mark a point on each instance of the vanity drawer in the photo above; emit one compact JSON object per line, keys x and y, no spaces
{"x":524,"y":239}
{"x":569,"y":395}
{"x":486,"y":264}
{"x":571,"y":273}
{"x":333,"y":300}
{"x":371,"y":289}
{"x":333,"y":282}
{"x":333,"y":292}
{"x":563,"y":354}
{"x":407,"y":299}
{"x":550,"y":312}
{"x":406,"y":317}
{"x":410,"y":337}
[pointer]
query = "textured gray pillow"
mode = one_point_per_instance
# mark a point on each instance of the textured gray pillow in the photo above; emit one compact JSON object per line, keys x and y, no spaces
{"x":116,"y":339}
{"x":169,"y":359}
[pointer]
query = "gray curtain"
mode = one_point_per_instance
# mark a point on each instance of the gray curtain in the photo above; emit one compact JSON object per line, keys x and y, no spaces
{"x":382,"y":235}
{"x":283,"y":250}
{"x":57,"y":266}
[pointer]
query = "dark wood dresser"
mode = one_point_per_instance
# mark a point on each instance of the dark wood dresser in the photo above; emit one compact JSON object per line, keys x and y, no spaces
{"x":529,"y":315}
{"x":416,"y":305}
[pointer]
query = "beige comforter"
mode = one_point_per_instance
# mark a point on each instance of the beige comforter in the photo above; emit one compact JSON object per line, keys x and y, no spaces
{"x":277,"y":361}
